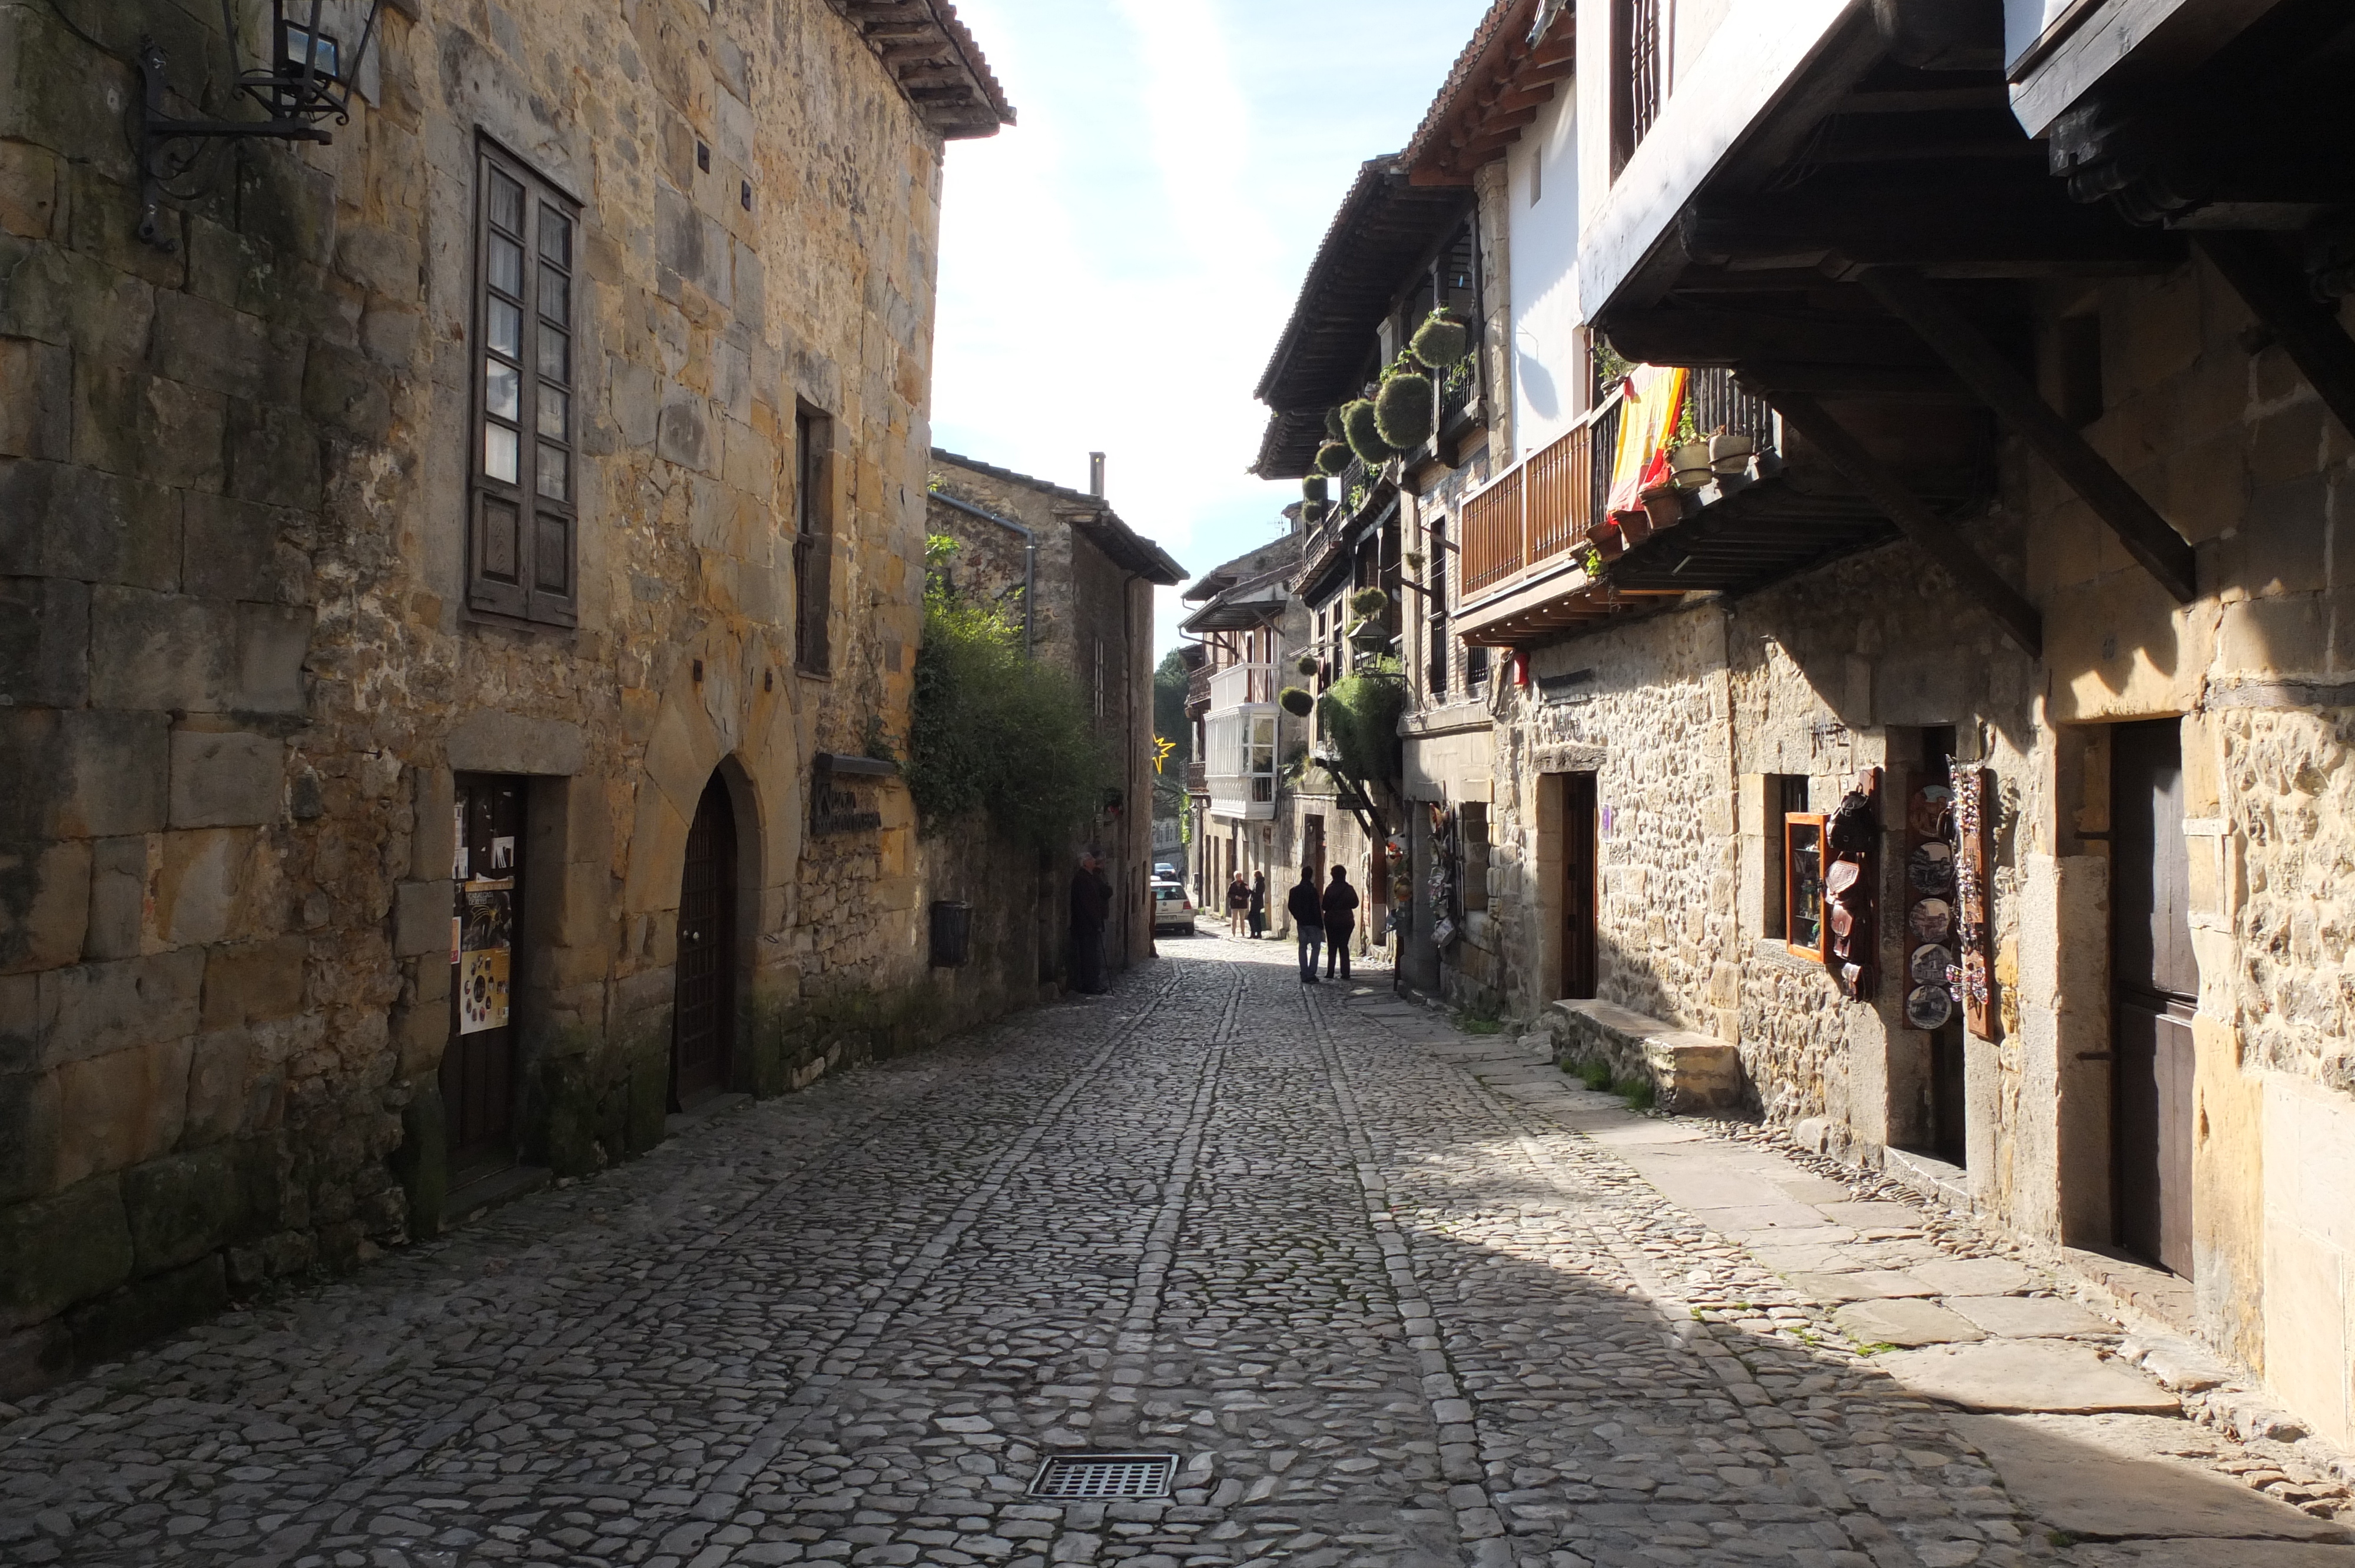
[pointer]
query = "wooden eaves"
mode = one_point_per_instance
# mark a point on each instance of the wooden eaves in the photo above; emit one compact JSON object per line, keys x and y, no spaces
{"x":936,"y":62}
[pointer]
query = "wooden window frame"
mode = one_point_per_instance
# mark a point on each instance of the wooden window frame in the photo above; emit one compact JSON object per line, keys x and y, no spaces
{"x":523,"y":525}
{"x":1820,"y":952}
{"x":1639,"y":74}
{"x":1784,"y":793}
{"x":813,"y":542}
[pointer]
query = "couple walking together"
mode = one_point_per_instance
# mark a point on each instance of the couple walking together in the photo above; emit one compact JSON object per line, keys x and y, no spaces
{"x":1324,"y":916}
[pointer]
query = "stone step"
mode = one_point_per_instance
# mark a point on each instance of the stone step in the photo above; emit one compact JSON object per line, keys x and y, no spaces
{"x":1693,"y":1074}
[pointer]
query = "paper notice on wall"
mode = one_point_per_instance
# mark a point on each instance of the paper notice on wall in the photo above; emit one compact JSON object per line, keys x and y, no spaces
{"x":484,"y":943}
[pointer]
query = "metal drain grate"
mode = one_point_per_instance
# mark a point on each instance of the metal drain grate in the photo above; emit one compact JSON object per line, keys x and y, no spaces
{"x":1106,"y":1476}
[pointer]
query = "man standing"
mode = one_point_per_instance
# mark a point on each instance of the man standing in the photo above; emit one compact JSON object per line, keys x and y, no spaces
{"x":1307,"y":911}
{"x":1340,"y":920}
{"x":1091,"y":907}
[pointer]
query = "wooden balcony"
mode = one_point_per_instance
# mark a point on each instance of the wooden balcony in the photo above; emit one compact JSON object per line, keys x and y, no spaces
{"x":1543,"y":554}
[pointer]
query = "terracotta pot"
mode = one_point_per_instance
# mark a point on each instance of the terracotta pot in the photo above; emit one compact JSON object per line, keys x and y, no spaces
{"x":1689,"y":464}
{"x":1730,"y":453}
{"x":1663,"y":508}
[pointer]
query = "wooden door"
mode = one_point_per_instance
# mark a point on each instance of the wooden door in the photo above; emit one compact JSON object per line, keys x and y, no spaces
{"x":1314,"y":856}
{"x":478,"y":1068}
{"x":703,"y":1009}
{"x":2154,"y":989}
{"x":1580,"y":851}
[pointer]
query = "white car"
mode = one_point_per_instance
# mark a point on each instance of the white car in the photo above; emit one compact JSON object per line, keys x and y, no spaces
{"x":1172,"y":910}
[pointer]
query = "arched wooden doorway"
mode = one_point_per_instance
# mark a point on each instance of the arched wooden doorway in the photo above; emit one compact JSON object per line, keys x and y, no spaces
{"x":703,"y":1008}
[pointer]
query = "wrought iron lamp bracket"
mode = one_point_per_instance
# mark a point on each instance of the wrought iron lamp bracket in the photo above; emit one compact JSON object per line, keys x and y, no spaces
{"x":296,"y":94}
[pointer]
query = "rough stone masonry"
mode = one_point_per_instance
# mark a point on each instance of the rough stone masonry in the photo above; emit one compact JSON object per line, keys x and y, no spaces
{"x":298,"y":538}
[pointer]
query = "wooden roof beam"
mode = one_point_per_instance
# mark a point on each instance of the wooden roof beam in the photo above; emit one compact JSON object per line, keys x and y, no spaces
{"x":2147,"y":537}
{"x":1935,"y":535}
{"x":2276,"y":293}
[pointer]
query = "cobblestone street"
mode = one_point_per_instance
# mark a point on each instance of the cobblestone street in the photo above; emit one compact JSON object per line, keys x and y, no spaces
{"x":1385,"y":1288}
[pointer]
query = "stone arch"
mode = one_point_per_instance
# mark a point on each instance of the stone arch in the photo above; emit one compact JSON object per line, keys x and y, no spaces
{"x":741,"y":721}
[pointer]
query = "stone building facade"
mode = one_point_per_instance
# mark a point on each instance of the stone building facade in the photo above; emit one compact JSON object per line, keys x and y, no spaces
{"x":1060,"y":564}
{"x":2090,"y":565}
{"x":433,"y":561}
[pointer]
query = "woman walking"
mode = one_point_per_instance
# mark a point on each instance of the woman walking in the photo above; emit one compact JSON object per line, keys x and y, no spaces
{"x":1238,"y":905}
{"x":1258,"y":904}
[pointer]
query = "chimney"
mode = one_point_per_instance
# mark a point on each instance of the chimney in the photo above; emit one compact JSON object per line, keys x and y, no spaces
{"x":1096,"y":475}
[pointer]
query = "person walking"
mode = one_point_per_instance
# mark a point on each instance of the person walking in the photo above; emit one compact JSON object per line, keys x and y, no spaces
{"x":1258,"y":904}
{"x":1340,"y":920}
{"x":1238,"y":903}
{"x":1308,"y":912}
{"x":1091,"y":907}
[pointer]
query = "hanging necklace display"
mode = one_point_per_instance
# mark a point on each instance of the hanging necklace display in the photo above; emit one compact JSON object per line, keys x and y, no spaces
{"x":1973,"y":976}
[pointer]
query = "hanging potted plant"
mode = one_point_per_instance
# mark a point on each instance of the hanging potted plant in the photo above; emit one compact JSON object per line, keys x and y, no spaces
{"x":1333,"y":457}
{"x":1688,"y":458}
{"x":1306,"y":664}
{"x":1403,"y":408}
{"x":1333,"y":430}
{"x":1369,"y":600}
{"x":1297,"y":701}
{"x":1730,"y":453}
{"x":1443,"y":339}
{"x":1314,"y":512}
{"x":1365,"y":436}
{"x":1314,"y":488}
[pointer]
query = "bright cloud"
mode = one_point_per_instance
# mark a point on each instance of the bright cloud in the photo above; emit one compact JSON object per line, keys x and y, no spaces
{"x":1114,"y":268}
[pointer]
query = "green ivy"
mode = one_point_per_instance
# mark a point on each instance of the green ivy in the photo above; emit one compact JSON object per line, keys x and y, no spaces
{"x":995,"y":732}
{"x":1361,"y":717}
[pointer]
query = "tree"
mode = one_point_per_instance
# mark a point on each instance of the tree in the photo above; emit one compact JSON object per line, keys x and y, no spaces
{"x":1170,"y":679}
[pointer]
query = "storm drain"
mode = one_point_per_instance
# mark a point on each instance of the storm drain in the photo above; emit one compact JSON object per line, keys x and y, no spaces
{"x":1076,"y":1476}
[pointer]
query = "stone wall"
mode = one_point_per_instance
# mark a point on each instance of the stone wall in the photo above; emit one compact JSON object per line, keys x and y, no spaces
{"x":238,"y":659}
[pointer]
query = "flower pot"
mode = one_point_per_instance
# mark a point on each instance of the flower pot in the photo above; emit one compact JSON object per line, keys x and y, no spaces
{"x":1689,"y":464}
{"x":1663,"y":508}
{"x":1730,"y":453}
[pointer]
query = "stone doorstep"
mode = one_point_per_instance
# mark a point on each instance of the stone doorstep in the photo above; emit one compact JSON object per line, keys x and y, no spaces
{"x":1694,"y":1074}
{"x":494,"y":1191}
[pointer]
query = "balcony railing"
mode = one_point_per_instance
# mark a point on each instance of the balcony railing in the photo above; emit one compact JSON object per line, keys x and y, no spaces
{"x":1550,"y":503}
{"x":1459,"y":384}
{"x":1197,"y":686}
{"x":1249,"y":796}
{"x":1240,"y":683}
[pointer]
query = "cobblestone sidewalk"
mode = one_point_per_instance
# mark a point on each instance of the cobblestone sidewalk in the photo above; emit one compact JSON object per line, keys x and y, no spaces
{"x":1393,"y":1295}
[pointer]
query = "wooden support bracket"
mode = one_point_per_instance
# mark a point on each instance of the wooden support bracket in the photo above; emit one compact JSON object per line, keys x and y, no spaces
{"x":2147,"y":535}
{"x":2307,"y":330}
{"x":1935,"y":535}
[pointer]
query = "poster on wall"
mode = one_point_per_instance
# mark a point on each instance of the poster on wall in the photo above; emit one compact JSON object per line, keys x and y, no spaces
{"x":485,"y":946}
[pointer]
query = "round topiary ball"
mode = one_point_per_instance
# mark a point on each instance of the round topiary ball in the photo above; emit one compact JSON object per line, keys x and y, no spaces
{"x":1314,"y":488}
{"x":1333,"y":456}
{"x":1369,"y":601}
{"x":1305,"y":663}
{"x":1403,"y":411}
{"x":1333,"y":431}
{"x":1364,"y":436}
{"x":1296,"y":702}
{"x":1442,"y":341}
{"x":1312,"y":511}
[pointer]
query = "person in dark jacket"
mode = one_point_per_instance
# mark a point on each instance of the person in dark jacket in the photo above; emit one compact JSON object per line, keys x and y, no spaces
{"x":1258,"y":904}
{"x":1340,"y":920}
{"x":1091,"y":907}
{"x":1308,"y":912}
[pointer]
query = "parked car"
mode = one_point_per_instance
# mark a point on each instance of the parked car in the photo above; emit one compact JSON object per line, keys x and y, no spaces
{"x":1172,"y":910}
{"x":1168,"y":871}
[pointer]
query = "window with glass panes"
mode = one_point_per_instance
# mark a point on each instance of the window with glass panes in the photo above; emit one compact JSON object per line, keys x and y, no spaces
{"x":525,"y":512}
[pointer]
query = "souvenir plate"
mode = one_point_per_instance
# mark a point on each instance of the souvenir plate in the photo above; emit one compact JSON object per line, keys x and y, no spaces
{"x":1931,"y":920}
{"x":1928,"y":1006}
{"x":1931,"y":867}
{"x":1929,"y":964}
{"x":1926,"y":812}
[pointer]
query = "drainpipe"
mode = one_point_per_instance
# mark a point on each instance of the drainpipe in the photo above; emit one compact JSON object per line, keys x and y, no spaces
{"x":1029,"y":557}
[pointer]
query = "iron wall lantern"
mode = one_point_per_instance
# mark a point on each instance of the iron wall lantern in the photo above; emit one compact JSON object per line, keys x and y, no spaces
{"x":308,"y":77}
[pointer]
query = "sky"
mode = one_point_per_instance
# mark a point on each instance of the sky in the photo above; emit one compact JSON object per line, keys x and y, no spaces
{"x":1115,"y":266}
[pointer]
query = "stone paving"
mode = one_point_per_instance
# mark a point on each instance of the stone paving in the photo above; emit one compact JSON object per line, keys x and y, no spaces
{"x":1393,"y":1295}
